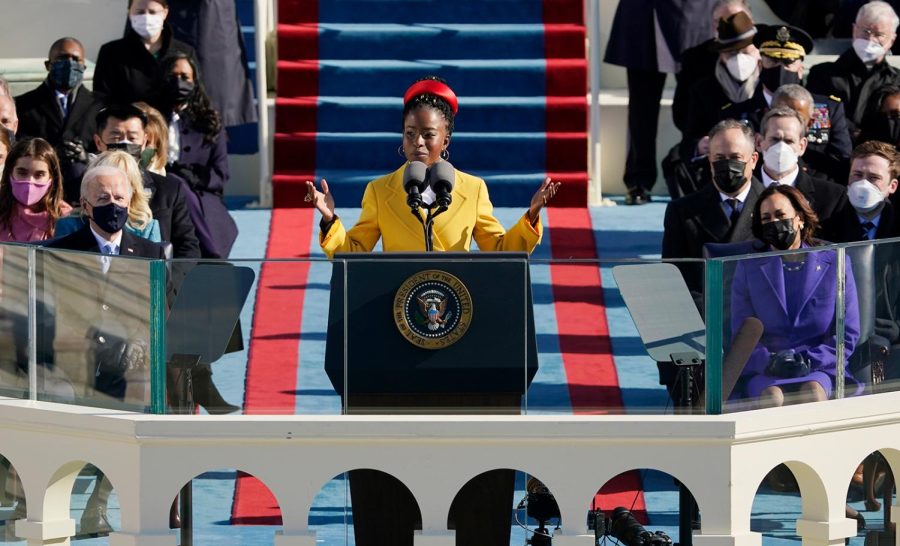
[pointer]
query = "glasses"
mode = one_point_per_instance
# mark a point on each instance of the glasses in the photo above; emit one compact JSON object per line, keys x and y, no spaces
{"x":880,"y":37}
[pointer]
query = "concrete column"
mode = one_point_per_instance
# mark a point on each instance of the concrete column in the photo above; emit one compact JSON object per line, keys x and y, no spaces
{"x":295,"y":539}
{"x":38,"y":533}
{"x":445,"y":538}
{"x":826,"y":533}
{"x":146,"y":539}
{"x":573,"y":540}
{"x":742,"y":539}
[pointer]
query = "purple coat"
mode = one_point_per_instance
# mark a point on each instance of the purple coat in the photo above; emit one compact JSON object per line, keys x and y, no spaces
{"x":758,"y":290}
{"x":204,"y":165}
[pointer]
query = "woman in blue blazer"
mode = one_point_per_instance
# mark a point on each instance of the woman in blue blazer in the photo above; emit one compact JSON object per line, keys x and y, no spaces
{"x":794,"y":297}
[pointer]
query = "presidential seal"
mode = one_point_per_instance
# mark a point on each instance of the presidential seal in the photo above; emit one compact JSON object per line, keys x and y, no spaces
{"x":432,"y":309}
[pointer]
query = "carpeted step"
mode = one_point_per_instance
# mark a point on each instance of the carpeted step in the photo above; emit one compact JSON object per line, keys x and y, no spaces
{"x":476,"y":114}
{"x":392,"y":41}
{"x":506,"y":188}
{"x":379,"y":151}
{"x":431,"y":11}
{"x":469,"y":77}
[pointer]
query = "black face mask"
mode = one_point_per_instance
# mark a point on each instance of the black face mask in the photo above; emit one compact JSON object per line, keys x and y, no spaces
{"x":179,"y":90}
{"x":131,"y":148}
{"x":66,"y":73}
{"x":110,"y":218}
{"x":780,"y":233}
{"x":775,"y":77}
{"x":728,"y":175}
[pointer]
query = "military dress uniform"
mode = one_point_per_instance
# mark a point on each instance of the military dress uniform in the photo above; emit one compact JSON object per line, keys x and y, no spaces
{"x":827,"y":154}
{"x":853,"y":83}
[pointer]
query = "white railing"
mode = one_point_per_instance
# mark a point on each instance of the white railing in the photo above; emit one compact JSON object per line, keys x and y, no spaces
{"x":266,"y":21}
{"x":721,"y":459}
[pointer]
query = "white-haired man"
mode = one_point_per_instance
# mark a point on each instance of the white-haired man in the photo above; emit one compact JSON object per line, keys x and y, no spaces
{"x":105,"y":198}
{"x":862,"y":70}
{"x":102,"y":310}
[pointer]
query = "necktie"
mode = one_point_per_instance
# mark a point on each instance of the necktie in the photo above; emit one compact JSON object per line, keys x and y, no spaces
{"x":105,"y":260}
{"x":735,"y":210}
{"x":867,"y":228}
{"x":64,"y":106}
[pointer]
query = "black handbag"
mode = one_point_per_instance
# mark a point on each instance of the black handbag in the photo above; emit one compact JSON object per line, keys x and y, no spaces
{"x":116,"y":355}
{"x":788,"y":365}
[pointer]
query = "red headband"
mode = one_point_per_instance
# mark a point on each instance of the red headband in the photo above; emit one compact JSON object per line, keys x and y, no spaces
{"x":432,"y":87}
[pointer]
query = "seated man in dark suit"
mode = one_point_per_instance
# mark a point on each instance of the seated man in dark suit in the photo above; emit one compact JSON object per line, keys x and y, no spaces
{"x":719,"y":212}
{"x":868,"y":213}
{"x":110,"y":310}
{"x":781,"y":142}
{"x":102,"y":309}
{"x":828,"y":146}
{"x":124,"y":127}
{"x":62,"y":111}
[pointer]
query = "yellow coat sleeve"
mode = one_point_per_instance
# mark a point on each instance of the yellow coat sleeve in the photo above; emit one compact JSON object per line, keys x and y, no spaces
{"x":362,"y":237}
{"x":490,"y":235}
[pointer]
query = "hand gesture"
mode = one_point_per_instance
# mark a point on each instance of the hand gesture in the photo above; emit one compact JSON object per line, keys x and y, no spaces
{"x":73,"y":150}
{"x":543,"y":196}
{"x":322,"y":200}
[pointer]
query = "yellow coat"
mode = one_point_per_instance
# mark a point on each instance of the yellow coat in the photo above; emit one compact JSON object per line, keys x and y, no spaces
{"x":385,"y":215}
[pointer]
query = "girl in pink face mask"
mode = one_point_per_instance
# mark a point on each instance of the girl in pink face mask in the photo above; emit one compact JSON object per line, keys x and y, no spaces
{"x":31,"y":194}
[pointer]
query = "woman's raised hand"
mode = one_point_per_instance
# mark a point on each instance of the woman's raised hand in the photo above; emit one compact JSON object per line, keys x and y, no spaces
{"x":322,"y":200}
{"x":541,"y":197}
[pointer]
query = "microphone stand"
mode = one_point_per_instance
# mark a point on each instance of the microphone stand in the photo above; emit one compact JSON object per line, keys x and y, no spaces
{"x":428,"y":222}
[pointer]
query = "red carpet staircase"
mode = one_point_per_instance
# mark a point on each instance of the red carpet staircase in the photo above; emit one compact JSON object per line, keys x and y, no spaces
{"x":518,"y":67}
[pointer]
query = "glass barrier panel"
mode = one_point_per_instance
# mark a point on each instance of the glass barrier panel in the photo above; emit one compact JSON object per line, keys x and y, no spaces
{"x":94,"y":323}
{"x":15,"y":334}
{"x":790,"y":323}
{"x":248,"y":337}
{"x":876,"y":357}
{"x":432,"y":333}
{"x":618,"y":337}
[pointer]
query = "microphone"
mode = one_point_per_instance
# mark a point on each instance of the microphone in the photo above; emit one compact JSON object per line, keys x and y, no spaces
{"x":743,"y":342}
{"x":414,"y":183}
{"x":442,"y":176}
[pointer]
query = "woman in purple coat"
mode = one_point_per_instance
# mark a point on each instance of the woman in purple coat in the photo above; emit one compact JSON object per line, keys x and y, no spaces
{"x":198,"y":153}
{"x":794,"y":297}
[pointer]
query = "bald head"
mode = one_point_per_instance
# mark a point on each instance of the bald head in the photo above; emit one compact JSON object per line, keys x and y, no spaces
{"x":8,"y":117}
{"x":65,"y":44}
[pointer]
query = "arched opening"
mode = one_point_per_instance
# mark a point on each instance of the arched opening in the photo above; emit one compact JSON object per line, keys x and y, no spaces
{"x":12,"y":501}
{"x":788,"y":492}
{"x":641,"y":500}
{"x":871,"y":495}
{"x":503,"y":505}
{"x":226,"y":506}
{"x":82,"y":492}
{"x":366,"y":507}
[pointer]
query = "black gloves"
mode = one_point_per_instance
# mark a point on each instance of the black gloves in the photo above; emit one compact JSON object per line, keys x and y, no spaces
{"x":73,"y":151}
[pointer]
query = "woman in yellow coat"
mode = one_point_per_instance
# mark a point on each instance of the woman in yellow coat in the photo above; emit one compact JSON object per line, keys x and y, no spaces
{"x":429,"y":108}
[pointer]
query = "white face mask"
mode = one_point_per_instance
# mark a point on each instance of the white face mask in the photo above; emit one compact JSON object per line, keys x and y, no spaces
{"x":780,"y":157}
{"x":146,"y":25}
{"x":867,"y":50}
{"x":864,"y":195}
{"x":741,"y":66}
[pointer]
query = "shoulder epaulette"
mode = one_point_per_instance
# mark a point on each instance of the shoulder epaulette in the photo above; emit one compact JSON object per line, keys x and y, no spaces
{"x":835,"y":99}
{"x":727,"y":106}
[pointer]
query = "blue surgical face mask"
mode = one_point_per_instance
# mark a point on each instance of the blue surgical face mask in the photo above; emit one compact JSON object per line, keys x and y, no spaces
{"x":66,"y":74}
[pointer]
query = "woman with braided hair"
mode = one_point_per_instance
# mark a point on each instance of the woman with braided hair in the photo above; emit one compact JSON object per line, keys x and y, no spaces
{"x":430,"y":107}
